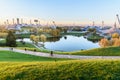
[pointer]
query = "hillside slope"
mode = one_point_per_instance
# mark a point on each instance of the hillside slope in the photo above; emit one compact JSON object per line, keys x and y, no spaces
{"x":65,"y":70}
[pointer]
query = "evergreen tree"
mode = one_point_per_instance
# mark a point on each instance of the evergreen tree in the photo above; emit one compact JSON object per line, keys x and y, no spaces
{"x":11,"y":39}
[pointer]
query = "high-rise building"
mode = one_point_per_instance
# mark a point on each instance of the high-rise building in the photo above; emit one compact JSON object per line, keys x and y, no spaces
{"x":7,"y":22}
{"x":18,"y":21}
{"x":13,"y":21}
{"x":21,"y":21}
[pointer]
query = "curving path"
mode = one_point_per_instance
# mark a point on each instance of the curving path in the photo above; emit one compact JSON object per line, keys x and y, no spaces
{"x":60,"y":55}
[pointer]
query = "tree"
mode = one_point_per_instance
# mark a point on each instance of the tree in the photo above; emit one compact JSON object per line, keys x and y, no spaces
{"x":115,"y":35}
{"x":117,"y":43}
{"x":113,"y":40}
{"x":36,"y":39}
{"x":104,"y":42}
{"x":91,"y":30}
{"x":55,"y":32}
{"x":32,"y":38}
{"x":11,"y":39}
{"x":43,"y":38}
{"x":3,"y":35}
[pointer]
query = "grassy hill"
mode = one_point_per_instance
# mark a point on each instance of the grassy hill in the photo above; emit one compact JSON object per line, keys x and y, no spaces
{"x":65,"y":70}
{"x":15,"y":56}
{"x":109,"y":51}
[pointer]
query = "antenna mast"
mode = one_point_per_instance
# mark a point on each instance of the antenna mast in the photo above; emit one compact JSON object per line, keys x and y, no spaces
{"x":118,"y":19}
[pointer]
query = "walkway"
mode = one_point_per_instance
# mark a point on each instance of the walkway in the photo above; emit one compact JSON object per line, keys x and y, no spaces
{"x":60,"y":55}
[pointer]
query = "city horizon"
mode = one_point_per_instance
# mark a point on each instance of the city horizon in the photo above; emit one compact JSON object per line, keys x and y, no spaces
{"x":63,"y":12}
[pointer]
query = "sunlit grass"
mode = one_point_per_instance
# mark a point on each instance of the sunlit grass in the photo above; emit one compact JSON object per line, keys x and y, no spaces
{"x":65,"y":70}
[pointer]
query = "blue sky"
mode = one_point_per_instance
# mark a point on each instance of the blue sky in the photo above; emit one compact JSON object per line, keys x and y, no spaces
{"x":62,"y":11}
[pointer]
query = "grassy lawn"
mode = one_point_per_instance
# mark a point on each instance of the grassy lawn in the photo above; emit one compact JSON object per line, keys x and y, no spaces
{"x":65,"y":70}
{"x":23,"y":35}
{"x":94,"y":37}
{"x":19,"y":44}
{"x":73,"y":33}
{"x":28,"y":46}
{"x":15,"y":57}
{"x":109,"y":51}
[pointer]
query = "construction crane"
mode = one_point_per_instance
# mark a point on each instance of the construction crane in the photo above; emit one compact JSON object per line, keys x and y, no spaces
{"x":118,"y":19}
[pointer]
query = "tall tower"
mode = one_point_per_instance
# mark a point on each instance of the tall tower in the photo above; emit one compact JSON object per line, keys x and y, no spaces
{"x":115,"y":25}
{"x":118,"y":20}
{"x":13,"y":21}
{"x":39,"y":23}
{"x":18,"y":21}
{"x":102,"y":24}
{"x":7,"y":22}
{"x":30,"y":21}
{"x":93,"y":23}
{"x":21,"y":21}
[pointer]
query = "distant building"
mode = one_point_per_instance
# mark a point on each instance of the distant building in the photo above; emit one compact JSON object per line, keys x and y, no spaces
{"x":14,"y":27}
{"x":18,"y":22}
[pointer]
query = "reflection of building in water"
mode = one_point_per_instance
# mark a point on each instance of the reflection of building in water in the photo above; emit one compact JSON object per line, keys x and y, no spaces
{"x":93,"y":40}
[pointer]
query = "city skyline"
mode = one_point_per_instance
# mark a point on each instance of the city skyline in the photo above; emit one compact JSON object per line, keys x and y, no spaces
{"x":77,"y":12}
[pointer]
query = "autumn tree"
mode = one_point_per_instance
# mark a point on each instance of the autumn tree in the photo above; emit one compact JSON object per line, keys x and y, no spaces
{"x":55,"y":32}
{"x":116,"y":42}
{"x":36,"y":39}
{"x":42,"y":38}
{"x":104,"y":42}
{"x":115,"y":35}
{"x":3,"y":35}
{"x":32,"y":38}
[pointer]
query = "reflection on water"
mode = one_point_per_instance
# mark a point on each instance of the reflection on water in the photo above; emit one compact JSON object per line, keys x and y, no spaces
{"x":67,"y":43}
{"x":53,"y":39}
{"x":70,"y":43}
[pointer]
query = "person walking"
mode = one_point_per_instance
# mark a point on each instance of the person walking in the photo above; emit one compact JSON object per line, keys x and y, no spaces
{"x":51,"y":53}
{"x":34,"y":50}
{"x":25,"y":49}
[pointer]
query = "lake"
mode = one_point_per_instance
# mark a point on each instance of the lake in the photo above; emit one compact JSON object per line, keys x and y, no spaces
{"x":71,"y":43}
{"x":68,"y":43}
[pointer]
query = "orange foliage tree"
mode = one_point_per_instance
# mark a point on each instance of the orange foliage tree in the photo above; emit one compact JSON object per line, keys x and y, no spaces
{"x":104,"y":42}
{"x":115,"y":35}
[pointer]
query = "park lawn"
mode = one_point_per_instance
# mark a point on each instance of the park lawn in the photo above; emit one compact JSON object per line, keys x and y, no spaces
{"x":29,"y":45}
{"x":19,"y":44}
{"x":61,"y":70}
{"x":73,"y":34}
{"x":94,"y":37}
{"x":19,"y":57}
{"x":108,"y":51}
{"x":27,"y":35}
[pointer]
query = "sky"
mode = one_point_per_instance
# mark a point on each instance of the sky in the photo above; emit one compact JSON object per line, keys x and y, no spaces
{"x":74,"y":12}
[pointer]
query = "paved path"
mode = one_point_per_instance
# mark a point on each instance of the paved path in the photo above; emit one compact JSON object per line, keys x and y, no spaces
{"x":60,"y":55}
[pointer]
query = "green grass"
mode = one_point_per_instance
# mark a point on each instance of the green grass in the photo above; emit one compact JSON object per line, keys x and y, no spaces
{"x":19,"y":44}
{"x":23,"y":35}
{"x":65,"y":70}
{"x":32,"y":49}
{"x":109,"y":51}
{"x":72,"y":33}
{"x":15,"y":57}
{"x":94,"y":37}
